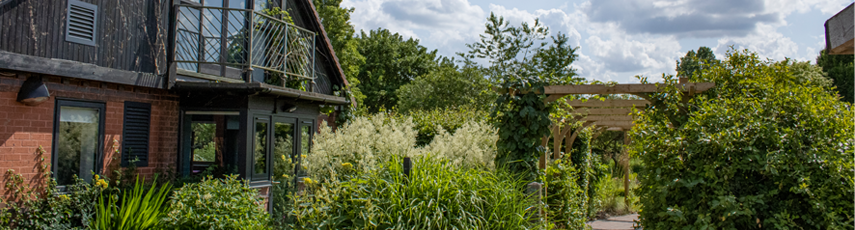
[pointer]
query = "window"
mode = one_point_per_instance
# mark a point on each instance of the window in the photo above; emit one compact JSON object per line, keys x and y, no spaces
{"x":260,"y":150}
{"x":135,"y":133}
{"x":210,"y":138}
{"x":81,"y":22}
{"x":78,"y":140}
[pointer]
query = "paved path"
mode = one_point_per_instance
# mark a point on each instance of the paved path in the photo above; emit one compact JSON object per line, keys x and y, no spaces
{"x":615,"y":223}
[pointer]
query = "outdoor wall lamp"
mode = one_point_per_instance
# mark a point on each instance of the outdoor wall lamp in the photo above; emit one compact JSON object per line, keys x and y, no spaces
{"x":33,"y":92}
{"x":289,"y":107}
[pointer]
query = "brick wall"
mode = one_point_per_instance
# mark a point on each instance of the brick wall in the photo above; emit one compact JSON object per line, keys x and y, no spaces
{"x":24,"y":128}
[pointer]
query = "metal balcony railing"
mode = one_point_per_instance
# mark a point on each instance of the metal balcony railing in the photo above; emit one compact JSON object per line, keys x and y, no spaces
{"x":242,"y":44}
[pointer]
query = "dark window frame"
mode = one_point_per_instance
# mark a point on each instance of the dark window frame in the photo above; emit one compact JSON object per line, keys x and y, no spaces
{"x":99,"y":150}
{"x":267,"y":147}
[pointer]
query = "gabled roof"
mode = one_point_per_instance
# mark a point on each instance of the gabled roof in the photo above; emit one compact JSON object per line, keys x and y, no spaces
{"x":316,"y":22}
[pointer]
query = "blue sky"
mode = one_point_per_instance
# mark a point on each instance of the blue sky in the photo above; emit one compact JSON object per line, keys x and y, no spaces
{"x":618,"y":39}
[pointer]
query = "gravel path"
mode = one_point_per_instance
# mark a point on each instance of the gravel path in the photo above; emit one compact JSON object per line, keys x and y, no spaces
{"x":615,"y":223}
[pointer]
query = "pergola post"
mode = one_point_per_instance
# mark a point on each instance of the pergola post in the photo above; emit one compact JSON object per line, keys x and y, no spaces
{"x":626,"y":142}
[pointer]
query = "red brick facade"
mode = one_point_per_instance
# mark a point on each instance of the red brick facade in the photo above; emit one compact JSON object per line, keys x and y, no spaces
{"x":24,"y":128}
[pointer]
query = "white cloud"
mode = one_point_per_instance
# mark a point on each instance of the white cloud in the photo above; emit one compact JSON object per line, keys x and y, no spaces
{"x":765,"y":41}
{"x":444,"y":21}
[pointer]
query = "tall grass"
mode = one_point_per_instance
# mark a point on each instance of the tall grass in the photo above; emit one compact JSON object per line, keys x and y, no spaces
{"x":139,"y":208}
{"x":436,"y":195}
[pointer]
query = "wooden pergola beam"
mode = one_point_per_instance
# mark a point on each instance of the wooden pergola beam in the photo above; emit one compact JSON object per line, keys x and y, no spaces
{"x":612,"y":111}
{"x":607,"y":103}
{"x":622,"y":124}
{"x":622,"y":88}
{"x":607,"y":118}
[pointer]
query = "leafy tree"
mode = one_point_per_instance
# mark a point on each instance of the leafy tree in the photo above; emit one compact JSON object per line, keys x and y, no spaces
{"x":336,"y":21}
{"x":447,"y":86}
{"x":521,"y":63}
{"x":390,"y":62}
{"x":763,"y":149}
{"x":687,"y":65}
{"x":840,"y":69}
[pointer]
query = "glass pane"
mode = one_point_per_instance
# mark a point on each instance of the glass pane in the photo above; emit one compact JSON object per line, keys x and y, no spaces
{"x":204,"y":146}
{"x":306,"y":139}
{"x":77,"y":143}
{"x":283,"y":148}
{"x":260,"y":153}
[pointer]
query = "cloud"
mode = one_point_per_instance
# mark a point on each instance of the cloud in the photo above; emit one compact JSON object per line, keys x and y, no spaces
{"x":444,"y":21}
{"x":766,"y":42}
{"x":685,"y":18}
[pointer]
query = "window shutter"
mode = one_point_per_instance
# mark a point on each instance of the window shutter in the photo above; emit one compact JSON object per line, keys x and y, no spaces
{"x":81,"y":22}
{"x":135,"y":136}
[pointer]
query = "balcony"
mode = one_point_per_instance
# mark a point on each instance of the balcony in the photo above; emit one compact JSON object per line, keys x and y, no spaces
{"x":244,"y":45}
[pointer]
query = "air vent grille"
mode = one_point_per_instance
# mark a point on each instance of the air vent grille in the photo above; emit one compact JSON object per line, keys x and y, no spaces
{"x":82,"y":22}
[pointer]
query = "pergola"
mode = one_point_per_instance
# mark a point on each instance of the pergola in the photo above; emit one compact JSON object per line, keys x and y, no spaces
{"x":607,"y":114}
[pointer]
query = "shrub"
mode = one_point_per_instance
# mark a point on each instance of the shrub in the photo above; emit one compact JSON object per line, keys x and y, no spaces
{"x":472,"y":145}
{"x":363,"y":143}
{"x":761,"y":150}
{"x":139,"y":209}
{"x":428,"y":123}
{"x":366,"y":142}
{"x":436,"y":195}
{"x":565,"y":199}
{"x":216,"y":204}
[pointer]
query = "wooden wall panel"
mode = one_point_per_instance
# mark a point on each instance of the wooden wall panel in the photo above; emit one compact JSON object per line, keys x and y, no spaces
{"x":125,"y":30}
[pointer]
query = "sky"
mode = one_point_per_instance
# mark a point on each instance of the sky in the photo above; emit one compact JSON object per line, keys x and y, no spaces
{"x":617,"y":39}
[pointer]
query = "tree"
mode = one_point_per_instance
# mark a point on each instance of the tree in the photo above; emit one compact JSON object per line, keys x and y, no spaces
{"x":336,"y":21}
{"x":840,"y":69}
{"x":390,"y":62}
{"x":521,"y":63}
{"x":687,"y":65}
{"x":447,"y":86}
{"x":763,"y":149}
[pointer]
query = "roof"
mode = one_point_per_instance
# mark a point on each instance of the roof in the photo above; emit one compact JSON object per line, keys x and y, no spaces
{"x":326,"y":40}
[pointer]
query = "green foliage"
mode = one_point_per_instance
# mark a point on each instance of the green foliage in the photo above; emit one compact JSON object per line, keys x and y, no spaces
{"x":216,"y":204}
{"x":565,"y":199}
{"x":430,"y":122}
{"x":436,"y":195}
{"x":761,"y":150}
{"x":41,"y":205}
{"x":694,"y":62}
{"x":447,"y":86}
{"x":139,"y":209}
{"x":521,"y":64}
{"x":390,"y":62}
{"x":839,"y":68}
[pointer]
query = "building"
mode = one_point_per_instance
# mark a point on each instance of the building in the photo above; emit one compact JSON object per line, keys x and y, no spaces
{"x":170,"y":86}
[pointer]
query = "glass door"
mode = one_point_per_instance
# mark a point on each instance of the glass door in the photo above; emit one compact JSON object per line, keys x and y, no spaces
{"x":284,"y":133}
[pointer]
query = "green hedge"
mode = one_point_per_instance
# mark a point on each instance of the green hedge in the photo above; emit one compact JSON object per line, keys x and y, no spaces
{"x":760,"y":150}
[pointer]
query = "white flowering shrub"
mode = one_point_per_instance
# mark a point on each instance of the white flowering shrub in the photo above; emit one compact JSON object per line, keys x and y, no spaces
{"x":366,"y":142}
{"x":472,"y":145}
{"x":359,"y":146}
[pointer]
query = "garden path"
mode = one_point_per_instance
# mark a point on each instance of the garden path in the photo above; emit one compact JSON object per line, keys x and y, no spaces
{"x":624,"y":222}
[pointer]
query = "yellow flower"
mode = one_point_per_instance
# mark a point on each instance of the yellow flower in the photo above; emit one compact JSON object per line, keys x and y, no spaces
{"x":102,"y":183}
{"x":346,"y":165}
{"x":304,"y":167}
{"x":283,"y":157}
{"x":63,"y":197}
{"x":97,"y":177}
{"x":307,"y":180}
{"x":302,"y":155}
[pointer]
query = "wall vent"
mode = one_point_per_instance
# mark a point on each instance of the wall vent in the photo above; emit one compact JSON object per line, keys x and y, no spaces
{"x":82,"y":21}
{"x":135,"y":134}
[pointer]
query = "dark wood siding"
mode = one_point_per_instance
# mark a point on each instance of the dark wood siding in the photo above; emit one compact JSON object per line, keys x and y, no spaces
{"x":127,"y":37}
